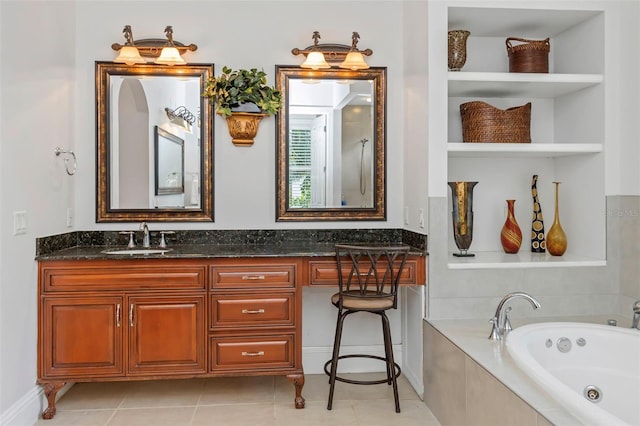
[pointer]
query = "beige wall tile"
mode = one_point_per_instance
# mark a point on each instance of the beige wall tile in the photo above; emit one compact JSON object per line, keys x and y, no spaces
{"x":490,"y":403}
{"x":444,"y":378}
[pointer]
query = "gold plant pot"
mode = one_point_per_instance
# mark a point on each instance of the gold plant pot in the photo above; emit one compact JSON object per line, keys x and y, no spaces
{"x":243,"y":127}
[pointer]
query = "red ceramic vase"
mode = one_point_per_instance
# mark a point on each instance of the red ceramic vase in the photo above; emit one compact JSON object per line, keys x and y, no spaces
{"x":511,"y":235}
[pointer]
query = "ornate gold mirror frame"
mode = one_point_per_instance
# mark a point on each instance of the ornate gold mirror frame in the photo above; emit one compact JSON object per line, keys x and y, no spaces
{"x":375,"y":209}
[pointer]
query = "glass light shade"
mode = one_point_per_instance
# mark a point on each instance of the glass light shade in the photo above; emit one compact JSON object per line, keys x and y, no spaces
{"x":129,"y":55}
{"x":182,"y":124}
{"x":315,"y":60}
{"x":354,"y":61}
{"x":170,"y":56}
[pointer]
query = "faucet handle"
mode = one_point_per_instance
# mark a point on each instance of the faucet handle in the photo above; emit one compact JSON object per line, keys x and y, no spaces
{"x":163,"y":241}
{"x":132,"y":242}
{"x":507,"y":323}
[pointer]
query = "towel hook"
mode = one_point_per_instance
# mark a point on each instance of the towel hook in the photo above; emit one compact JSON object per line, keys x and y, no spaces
{"x":59,"y":151}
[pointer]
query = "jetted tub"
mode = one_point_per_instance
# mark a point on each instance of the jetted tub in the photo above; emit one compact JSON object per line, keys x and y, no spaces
{"x":592,"y":370}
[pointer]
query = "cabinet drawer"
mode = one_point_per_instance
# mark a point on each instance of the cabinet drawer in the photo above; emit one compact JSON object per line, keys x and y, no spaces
{"x":252,"y":353}
{"x":109,"y":275}
{"x":243,"y":276}
{"x":325,"y":272}
{"x":261,"y":310}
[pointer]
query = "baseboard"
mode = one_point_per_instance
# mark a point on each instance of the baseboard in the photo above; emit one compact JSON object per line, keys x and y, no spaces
{"x":27,"y":410}
{"x":314,"y":358}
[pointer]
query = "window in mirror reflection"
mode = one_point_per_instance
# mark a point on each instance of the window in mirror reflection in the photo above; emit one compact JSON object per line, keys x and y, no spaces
{"x":331,"y":123}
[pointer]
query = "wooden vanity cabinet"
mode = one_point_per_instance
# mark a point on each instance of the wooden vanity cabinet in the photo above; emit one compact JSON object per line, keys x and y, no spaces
{"x":255,"y":318}
{"x":120,"y":320}
{"x":132,"y":319}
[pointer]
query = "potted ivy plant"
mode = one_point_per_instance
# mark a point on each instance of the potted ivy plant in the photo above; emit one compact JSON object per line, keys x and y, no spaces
{"x":243,"y":98}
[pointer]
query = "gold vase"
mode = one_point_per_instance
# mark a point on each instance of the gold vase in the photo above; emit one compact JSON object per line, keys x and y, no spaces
{"x":462,"y":215}
{"x":556,"y":238}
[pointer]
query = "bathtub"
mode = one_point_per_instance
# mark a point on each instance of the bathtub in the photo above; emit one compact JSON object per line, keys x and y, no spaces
{"x":592,"y":370}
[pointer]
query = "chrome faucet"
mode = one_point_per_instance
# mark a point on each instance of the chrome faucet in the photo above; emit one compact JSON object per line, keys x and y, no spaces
{"x":501,"y":325}
{"x":145,"y":235}
{"x":636,"y":315}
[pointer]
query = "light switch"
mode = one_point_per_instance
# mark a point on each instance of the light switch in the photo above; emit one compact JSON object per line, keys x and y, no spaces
{"x":19,"y":222}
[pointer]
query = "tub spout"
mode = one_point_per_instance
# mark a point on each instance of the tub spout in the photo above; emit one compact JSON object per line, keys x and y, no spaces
{"x":501,"y":325}
{"x":636,"y":315}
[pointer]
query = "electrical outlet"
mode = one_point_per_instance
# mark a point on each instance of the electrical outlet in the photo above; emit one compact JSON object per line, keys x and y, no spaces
{"x":421,"y":218}
{"x":19,"y":222}
{"x":69,"y":217}
{"x":406,"y":215}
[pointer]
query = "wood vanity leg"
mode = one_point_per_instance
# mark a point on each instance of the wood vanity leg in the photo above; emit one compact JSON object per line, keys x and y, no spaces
{"x":51,"y":390}
{"x":298,"y":382}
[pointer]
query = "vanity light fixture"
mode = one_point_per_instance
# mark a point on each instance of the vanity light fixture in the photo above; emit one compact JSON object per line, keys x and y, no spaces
{"x":166,"y":51}
{"x":325,"y":55}
{"x":181,"y":117}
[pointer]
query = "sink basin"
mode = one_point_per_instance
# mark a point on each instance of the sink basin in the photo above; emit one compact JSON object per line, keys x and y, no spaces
{"x":144,"y":251}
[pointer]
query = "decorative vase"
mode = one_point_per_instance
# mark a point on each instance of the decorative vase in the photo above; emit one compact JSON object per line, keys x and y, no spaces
{"x":457,"y":55}
{"x":556,"y":238}
{"x":462,"y":215}
{"x":511,"y":235}
{"x":538,"y":244}
{"x":243,"y":127}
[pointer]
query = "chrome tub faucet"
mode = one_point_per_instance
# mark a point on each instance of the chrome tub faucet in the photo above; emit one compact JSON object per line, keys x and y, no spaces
{"x":501,"y":325}
{"x":635,"y":323}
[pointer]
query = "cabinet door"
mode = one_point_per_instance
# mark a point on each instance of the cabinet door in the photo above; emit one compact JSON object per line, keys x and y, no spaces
{"x":81,"y":337}
{"x":166,"y":335}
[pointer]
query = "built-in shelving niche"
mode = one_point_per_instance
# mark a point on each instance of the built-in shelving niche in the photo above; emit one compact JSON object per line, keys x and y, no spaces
{"x":567,"y":132}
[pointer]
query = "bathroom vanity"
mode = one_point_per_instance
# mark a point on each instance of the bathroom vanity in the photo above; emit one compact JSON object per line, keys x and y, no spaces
{"x":206,"y":312}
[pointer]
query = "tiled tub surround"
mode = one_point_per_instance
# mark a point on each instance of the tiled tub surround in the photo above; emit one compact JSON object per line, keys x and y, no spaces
{"x":244,"y":242}
{"x":469,"y":379}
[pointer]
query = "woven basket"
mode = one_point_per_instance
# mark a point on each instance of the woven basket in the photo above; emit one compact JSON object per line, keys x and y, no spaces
{"x":530,"y":56}
{"x":482,"y":122}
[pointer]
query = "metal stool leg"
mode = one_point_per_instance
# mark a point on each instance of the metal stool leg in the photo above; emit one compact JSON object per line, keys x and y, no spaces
{"x":334,"y":358}
{"x":390,"y":361}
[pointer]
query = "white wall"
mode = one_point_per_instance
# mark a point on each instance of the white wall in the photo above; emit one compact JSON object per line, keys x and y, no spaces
{"x":244,"y":178}
{"x":38,"y":89}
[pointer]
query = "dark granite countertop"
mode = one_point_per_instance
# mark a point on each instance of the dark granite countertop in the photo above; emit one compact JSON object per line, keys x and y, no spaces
{"x":201,"y":251}
{"x":90,"y":245}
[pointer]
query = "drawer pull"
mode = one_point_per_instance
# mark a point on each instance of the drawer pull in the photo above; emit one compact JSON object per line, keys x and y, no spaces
{"x":131,"y":315}
{"x":256,"y":311}
{"x":118,"y":315}
{"x":253,"y":277}
{"x":260,"y":353}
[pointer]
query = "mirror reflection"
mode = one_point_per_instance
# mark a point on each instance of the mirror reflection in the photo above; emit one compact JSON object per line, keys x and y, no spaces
{"x":331,"y":140}
{"x":169,"y":166}
{"x":154,"y":143}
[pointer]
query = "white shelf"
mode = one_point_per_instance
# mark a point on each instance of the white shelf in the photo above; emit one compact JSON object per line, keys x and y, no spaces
{"x":500,"y":84}
{"x":550,"y":150}
{"x":523,"y":259}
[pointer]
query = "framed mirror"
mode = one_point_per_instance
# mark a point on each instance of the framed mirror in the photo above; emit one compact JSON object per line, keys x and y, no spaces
{"x":169,"y":164}
{"x":154,"y":157}
{"x":331,"y":144}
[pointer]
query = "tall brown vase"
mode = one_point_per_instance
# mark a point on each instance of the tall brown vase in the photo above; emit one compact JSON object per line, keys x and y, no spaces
{"x":538,"y":244}
{"x":511,"y":235}
{"x":556,"y":238}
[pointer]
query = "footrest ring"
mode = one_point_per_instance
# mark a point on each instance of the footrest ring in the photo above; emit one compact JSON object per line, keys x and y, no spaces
{"x":362,"y":382}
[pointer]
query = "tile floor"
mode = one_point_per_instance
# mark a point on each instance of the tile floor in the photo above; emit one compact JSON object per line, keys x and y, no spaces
{"x":237,"y":401}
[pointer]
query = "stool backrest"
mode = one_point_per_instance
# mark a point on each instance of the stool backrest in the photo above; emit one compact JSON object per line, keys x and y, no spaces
{"x":373,"y":271}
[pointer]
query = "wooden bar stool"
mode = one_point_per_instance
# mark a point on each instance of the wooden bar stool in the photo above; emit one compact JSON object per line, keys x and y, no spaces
{"x":371,"y":285}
